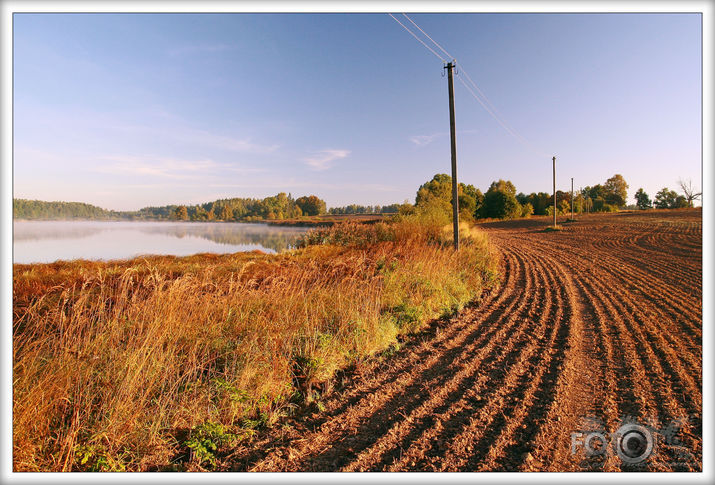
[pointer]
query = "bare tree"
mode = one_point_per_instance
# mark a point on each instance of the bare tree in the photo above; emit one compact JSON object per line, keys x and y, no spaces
{"x":690,"y":194}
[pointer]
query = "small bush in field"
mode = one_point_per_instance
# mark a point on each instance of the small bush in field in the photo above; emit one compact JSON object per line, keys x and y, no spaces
{"x":94,"y":458}
{"x":206,"y":439}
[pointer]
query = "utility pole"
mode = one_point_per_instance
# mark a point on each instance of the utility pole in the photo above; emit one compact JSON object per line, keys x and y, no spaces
{"x":554,"y":160}
{"x":572,"y":198}
{"x":453,"y":136}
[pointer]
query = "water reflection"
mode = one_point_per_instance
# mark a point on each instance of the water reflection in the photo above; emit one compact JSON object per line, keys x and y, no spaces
{"x":45,"y":241}
{"x":272,"y":237}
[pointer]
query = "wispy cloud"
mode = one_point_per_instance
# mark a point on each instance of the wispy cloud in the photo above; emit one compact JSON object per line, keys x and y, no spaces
{"x":298,"y":184}
{"x":244,"y":145}
{"x":175,"y":129}
{"x":166,"y":167}
{"x":421,"y":140}
{"x":324,"y":159}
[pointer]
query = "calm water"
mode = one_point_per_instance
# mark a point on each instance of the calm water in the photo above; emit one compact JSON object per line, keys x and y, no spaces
{"x":47,"y":241}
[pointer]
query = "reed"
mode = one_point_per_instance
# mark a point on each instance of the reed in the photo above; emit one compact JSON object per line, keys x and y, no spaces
{"x":167,"y":363}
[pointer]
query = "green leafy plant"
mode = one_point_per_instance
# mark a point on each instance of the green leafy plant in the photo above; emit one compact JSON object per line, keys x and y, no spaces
{"x":94,"y":458}
{"x":207,"y":439}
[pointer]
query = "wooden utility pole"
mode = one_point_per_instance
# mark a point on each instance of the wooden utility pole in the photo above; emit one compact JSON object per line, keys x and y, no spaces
{"x":554,"y":160}
{"x":453,"y":136}
{"x":572,"y":198}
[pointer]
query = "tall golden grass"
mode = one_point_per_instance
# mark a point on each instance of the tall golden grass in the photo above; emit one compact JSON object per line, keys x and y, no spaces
{"x":163,"y":361}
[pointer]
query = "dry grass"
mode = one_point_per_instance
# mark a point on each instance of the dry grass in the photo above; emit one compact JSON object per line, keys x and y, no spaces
{"x":166,"y":362}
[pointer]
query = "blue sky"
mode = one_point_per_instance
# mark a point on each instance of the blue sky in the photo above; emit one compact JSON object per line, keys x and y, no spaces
{"x":129,"y":110}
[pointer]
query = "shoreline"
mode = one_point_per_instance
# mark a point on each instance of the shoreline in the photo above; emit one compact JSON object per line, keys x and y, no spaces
{"x":328,"y":221}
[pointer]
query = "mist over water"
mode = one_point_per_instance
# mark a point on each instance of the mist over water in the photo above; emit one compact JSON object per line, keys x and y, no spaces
{"x":48,"y":241}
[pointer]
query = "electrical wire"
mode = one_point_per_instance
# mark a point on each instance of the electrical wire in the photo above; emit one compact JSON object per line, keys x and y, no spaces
{"x":486,"y":104}
{"x":503,"y":124}
{"x":415,"y":36}
{"x":427,"y":35}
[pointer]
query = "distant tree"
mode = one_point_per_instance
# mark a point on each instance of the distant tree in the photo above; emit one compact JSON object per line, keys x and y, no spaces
{"x":665,"y":198}
{"x":181,"y":214}
{"x":539,"y":202}
{"x":615,"y":191}
{"x":680,"y":202}
{"x":311,"y":205}
{"x":595,"y":192}
{"x":598,"y":204}
{"x":690,"y":194}
{"x":467,"y":207}
{"x":564,"y":207}
{"x":587,"y":204}
{"x":226,"y":214}
{"x":527,"y":209}
{"x":435,"y":197}
{"x":478,"y":202}
{"x":470,"y":201}
{"x":200,"y":214}
{"x":406,"y":209}
{"x":642,"y":200}
{"x":38,"y":209}
{"x":504,"y":186}
{"x":500,"y":201}
{"x":440,"y":187}
{"x":579,"y":203}
{"x":391,"y":209}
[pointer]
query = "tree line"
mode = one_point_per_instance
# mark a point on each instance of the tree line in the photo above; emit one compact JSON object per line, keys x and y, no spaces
{"x":501,"y":200}
{"x":365,"y":209}
{"x":668,"y":199}
{"x":37,"y":209}
{"x":278,"y":207}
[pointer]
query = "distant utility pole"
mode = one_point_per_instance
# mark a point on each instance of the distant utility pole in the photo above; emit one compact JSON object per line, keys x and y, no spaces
{"x":453,"y":136}
{"x":554,"y":160}
{"x":572,"y":198}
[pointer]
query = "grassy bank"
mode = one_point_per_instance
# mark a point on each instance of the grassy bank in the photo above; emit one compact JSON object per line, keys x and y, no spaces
{"x":168,"y":362}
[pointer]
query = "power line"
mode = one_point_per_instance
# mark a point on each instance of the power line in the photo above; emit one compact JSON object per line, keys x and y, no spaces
{"x":486,"y":104}
{"x":486,"y":99}
{"x":498,"y":116}
{"x":415,"y":36}
{"x":430,"y":38}
{"x":503,"y":124}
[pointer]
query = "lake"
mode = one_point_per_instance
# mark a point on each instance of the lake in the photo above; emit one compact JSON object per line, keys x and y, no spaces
{"x":48,"y":241}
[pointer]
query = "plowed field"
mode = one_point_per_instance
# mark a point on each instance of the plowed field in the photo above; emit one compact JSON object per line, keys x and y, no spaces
{"x":595,"y":326}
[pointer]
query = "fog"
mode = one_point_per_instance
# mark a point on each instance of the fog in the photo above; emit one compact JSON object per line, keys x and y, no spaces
{"x":48,"y":241}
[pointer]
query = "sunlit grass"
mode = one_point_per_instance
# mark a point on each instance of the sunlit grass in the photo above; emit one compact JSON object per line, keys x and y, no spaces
{"x":141,"y":364}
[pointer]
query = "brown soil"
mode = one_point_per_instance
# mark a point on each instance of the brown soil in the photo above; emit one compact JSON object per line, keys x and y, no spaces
{"x":594,"y":325}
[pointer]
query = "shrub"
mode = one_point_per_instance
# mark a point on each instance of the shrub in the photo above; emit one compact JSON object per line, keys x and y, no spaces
{"x":206,"y":439}
{"x":527,"y":210}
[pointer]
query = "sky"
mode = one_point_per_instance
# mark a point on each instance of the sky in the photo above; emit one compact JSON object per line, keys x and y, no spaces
{"x":125,"y":111}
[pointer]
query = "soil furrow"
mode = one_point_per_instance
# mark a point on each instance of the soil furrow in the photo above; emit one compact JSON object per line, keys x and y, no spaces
{"x":513,"y":446}
{"x":379,"y":408}
{"x":482,"y":412}
{"x":686,"y":317}
{"x":637,"y":397}
{"x":468,"y":356}
{"x":494,"y":379}
{"x":657,"y":371}
{"x":594,"y":324}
